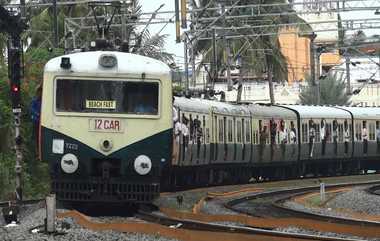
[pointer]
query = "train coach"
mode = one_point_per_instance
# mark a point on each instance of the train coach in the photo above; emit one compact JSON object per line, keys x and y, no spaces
{"x":106,"y":126}
{"x":226,"y":143}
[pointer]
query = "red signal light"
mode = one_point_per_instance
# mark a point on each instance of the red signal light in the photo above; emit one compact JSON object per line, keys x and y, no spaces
{"x":15,"y":88}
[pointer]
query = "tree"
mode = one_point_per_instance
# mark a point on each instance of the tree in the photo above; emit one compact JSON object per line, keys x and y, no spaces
{"x":332,"y":89}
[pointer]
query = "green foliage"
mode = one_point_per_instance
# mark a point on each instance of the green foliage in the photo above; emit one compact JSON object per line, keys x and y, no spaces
{"x":258,"y":51}
{"x":35,"y":175}
{"x":332,"y":89}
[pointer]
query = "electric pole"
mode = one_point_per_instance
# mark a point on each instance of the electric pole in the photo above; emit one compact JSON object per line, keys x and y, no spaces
{"x":348,"y":78}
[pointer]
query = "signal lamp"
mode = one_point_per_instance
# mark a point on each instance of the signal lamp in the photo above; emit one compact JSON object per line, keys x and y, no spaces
{"x":15,"y":88}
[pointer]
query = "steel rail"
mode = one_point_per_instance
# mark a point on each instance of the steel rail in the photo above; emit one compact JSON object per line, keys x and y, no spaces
{"x":302,"y":191}
{"x":204,"y":226}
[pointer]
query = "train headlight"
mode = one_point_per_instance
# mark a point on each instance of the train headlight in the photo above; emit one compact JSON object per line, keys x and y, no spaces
{"x":106,"y":145}
{"x":69,"y":163}
{"x":143,"y":165}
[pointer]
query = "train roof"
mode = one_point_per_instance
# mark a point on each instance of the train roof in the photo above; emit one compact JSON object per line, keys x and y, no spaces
{"x":272,"y":111}
{"x":372,"y":113}
{"x":205,"y":106}
{"x":328,"y":112}
{"x":88,"y":62}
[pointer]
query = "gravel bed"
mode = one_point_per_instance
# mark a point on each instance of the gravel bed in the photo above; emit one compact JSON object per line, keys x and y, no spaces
{"x":72,"y":231}
{"x":314,"y":232}
{"x":357,"y":200}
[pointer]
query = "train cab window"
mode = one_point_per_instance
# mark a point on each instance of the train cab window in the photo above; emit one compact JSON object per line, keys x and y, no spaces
{"x":247,"y":131}
{"x":100,"y":96}
{"x":238,"y":131}
{"x":371,"y":131}
{"x":229,"y":131}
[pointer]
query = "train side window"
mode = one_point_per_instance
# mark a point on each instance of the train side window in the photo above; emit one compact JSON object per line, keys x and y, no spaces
{"x":317,"y":133}
{"x":247,"y":131}
{"x":340,"y":133}
{"x":221,"y":130}
{"x":238,"y":131}
{"x":328,"y":134}
{"x":372,"y":131}
{"x":215,"y":128}
{"x":358,"y":131}
{"x":229,"y":130}
{"x":304,"y":133}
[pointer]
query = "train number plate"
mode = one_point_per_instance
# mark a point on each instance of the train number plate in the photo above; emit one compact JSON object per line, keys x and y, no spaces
{"x":106,"y":125}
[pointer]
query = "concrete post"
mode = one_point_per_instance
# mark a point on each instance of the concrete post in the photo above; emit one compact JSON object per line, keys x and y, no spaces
{"x":50,"y":213}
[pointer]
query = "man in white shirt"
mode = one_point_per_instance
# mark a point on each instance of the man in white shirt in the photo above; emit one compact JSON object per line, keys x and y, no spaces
{"x":346,"y":137}
{"x":365,"y":137}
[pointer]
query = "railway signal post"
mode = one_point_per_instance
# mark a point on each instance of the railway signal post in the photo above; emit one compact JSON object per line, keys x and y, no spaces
{"x":13,"y":26}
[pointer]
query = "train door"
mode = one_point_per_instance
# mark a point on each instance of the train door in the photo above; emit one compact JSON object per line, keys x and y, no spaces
{"x":215,"y":139}
{"x":358,"y":146}
{"x":196,"y":138}
{"x":305,"y":155}
{"x":372,"y":145}
{"x":256,"y":157}
{"x":247,"y":149}
{"x":187,"y":140}
{"x":206,"y":139}
{"x":239,"y":139}
{"x":230,"y":141}
{"x":221,"y":149}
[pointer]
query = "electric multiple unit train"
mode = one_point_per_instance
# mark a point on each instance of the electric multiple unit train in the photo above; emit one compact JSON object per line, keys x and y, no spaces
{"x":109,"y":134}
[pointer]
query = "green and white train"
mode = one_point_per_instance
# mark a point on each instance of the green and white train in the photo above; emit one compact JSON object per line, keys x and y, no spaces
{"x":108,"y":135}
{"x":106,"y":126}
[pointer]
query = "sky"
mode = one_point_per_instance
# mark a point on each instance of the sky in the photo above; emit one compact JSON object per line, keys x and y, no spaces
{"x":178,"y":50}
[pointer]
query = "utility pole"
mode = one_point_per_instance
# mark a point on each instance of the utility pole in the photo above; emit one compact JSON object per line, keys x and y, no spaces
{"x":55,"y":23}
{"x":123,"y":22}
{"x":192,"y":58}
{"x":228,"y":52}
{"x":186,"y":62}
{"x":317,"y":75}
{"x":348,"y":78}
{"x":214,"y":65}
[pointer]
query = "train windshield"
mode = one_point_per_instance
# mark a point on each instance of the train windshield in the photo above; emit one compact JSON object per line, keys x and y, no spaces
{"x":105,"y":96}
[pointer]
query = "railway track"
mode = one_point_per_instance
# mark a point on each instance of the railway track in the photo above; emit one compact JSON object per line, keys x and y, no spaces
{"x":191,"y":230}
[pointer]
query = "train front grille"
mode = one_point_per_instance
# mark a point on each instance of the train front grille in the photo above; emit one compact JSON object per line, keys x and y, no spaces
{"x":100,"y":191}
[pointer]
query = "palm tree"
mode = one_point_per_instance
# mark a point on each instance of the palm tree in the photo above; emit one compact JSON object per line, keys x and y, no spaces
{"x":332,"y":89}
{"x":255,"y":62}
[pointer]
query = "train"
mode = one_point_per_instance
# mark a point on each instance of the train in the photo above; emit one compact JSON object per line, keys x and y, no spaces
{"x":112,"y":131}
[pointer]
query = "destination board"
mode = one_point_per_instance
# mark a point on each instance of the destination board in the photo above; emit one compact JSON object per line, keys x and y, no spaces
{"x":100,"y":104}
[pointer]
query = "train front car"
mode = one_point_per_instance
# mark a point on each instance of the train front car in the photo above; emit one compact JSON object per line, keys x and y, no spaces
{"x":106,"y":126}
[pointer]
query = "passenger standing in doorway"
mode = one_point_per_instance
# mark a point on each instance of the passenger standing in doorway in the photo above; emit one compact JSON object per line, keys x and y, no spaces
{"x":283,"y":137}
{"x":335,"y":136}
{"x":365,"y":137}
{"x":323,"y":135}
{"x":35,"y":110}
{"x":263,"y":141}
{"x":293,"y":137}
{"x":346,"y":137}
{"x":311,"y":137}
{"x":176,"y":135}
{"x":273,"y":132}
